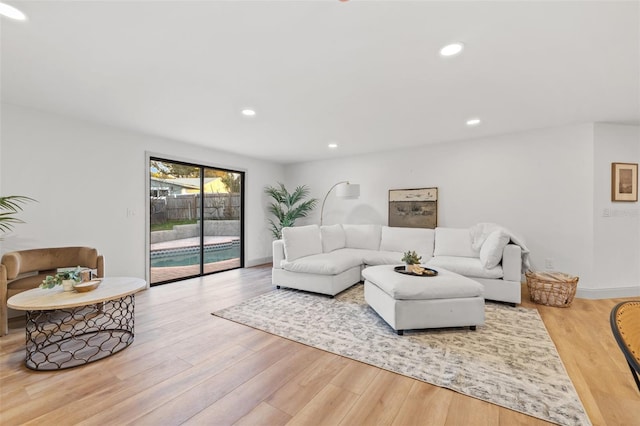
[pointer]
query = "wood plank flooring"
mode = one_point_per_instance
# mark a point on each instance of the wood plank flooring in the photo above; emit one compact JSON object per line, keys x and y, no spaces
{"x":189,"y":367}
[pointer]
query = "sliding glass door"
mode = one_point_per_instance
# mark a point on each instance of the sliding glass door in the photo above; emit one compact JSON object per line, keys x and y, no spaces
{"x":196,"y":220}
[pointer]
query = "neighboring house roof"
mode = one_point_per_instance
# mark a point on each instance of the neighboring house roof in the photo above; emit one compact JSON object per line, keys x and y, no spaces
{"x":211,"y":185}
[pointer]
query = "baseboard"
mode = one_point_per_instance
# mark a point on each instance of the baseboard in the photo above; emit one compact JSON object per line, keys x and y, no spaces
{"x":257,"y":262}
{"x":608,"y":293}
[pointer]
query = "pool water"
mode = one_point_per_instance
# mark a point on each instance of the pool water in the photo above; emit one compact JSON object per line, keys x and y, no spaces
{"x":193,"y":258}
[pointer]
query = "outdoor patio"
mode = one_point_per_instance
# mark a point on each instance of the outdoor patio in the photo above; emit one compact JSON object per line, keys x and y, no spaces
{"x":160,"y":274}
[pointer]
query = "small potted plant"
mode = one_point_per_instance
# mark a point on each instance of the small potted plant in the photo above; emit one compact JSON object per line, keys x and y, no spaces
{"x":66,"y":278}
{"x":411,"y":258}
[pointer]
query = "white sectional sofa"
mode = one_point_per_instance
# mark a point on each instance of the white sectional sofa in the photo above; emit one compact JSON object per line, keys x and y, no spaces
{"x":330,"y":259}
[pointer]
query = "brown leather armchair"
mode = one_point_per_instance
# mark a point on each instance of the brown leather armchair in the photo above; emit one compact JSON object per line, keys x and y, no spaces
{"x":25,"y":269}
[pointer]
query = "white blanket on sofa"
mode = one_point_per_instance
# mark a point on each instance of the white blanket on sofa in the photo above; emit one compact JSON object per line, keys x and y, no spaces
{"x":481,"y":231}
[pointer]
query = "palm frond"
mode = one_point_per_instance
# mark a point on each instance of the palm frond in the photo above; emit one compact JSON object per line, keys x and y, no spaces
{"x":303,"y":210}
{"x":7,"y":222}
{"x":9,"y":206}
{"x":300,"y":193}
{"x":276,"y":230}
{"x":13,"y":203}
{"x":275,"y":193}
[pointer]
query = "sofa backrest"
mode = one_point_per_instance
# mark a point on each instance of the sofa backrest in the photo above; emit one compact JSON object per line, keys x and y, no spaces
{"x":362,"y":236}
{"x":420,"y":240}
{"x":24,"y":261}
{"x":454,"y":242}
{"x":301,"y":241}
{"x":333,"y":237}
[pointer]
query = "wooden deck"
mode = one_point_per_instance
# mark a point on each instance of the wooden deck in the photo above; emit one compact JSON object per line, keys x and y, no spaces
{"x":176,"y":272}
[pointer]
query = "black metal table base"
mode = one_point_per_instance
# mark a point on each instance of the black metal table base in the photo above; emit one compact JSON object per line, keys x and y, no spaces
{"x":65,"y":338}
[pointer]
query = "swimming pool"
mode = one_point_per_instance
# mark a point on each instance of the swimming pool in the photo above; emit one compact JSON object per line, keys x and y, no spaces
{"x":185,"y":256}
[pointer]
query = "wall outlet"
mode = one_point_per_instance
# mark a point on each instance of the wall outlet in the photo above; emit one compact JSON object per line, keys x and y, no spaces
{"x":548,"y":263}
{"x":131,"y":212}
{"x":606,"y":213}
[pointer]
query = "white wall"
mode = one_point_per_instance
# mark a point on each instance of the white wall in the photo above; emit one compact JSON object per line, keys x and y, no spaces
{"x":550,"y":186}
{"x":85,"y":176}
{"x":539,"y":184}
{"x":616,"y":224}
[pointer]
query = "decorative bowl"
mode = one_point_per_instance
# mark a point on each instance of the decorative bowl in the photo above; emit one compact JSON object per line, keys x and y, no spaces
{"x":86,"y":286}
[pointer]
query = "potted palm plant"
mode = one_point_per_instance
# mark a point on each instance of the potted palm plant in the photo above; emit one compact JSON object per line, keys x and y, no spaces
{"x":288,"y":207}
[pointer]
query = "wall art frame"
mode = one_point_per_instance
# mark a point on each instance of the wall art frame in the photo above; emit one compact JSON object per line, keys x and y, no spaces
{"x":413,"y":208}
{"x":624,"y":182}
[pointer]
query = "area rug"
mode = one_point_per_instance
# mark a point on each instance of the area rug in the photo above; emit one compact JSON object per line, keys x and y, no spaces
{"x":510,"y":361}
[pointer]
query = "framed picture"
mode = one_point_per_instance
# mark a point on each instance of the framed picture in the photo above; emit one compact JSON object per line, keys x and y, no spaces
{"x":624,"y":181}
{"x":413,"y":208}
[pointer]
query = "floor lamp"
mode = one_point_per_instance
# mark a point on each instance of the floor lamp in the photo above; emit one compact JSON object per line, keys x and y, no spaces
{"x":346,"y":190}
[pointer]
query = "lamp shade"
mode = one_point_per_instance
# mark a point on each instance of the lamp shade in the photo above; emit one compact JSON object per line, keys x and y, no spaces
{"x":348,"y":190}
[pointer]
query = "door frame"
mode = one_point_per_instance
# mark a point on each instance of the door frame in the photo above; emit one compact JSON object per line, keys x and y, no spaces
{"x":149,"y":155}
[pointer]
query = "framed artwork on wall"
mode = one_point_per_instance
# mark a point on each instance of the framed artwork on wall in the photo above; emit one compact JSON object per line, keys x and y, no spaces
{"x":413,"y":208}
{"x":624,"y":181}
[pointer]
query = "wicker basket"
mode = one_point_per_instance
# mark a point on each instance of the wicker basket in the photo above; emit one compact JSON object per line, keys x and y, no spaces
{"x":551,"y":288}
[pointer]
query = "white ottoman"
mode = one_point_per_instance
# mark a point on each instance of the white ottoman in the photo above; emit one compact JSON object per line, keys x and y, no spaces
{"x":409,"y":302}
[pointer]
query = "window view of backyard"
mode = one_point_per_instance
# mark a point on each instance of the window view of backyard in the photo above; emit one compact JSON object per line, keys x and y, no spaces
{"x":182,"y":197}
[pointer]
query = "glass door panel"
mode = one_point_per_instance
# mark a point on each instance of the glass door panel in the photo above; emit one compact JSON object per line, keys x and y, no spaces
{"x":184,"y":196}
{"x":175,"y":249}
{"x":222,"y":220}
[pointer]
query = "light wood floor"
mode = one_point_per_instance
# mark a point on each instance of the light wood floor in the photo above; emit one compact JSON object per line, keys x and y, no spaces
{"x":186,"y":366}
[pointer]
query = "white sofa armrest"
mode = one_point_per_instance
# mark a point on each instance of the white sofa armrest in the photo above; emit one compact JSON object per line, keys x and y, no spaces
{"x":512,"y":263}
{"x":278,"y":253}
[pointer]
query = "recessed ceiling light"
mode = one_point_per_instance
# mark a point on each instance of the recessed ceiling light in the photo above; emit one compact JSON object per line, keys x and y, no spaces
{"x":248,"y":112}
{"x":451,"y":49}
{"x":333,"y":145}
{"x":473,"y":122}
{"x":12,"y":12}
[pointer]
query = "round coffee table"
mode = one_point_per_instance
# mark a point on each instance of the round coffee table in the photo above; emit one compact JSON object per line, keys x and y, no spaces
{"x":66,"y":329}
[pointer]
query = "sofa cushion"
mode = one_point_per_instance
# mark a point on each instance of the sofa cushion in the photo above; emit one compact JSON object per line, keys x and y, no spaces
{"x":375,"y":257}
{"x":447,"y":285}
{"x":420,"y":240}
{"x":301,"y":241}
{"x":492,"y":248}
{"x":333,"y":238}
{"x":332,"y":263}
{"x":362,"y":236}
{"x":454,"y":242}
{"x":467,"y":266}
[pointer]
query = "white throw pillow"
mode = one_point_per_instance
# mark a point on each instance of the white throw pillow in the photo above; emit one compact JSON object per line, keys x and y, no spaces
{"x":362,"y":236}
{"x":301,"y":241}
{"x":492,"y":248}
{"x":401,"y":240}
{"x":454,"y":242}
{"x":333,"y":238}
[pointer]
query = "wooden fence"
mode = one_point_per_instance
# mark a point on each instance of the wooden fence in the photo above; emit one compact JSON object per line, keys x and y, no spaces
{"x":187,"y":207}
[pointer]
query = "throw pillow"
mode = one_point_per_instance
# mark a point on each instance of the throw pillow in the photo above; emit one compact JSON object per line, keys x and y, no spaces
{"x":333,"y":238}
{"x":492,"y":248}
{"x":301,"y":241}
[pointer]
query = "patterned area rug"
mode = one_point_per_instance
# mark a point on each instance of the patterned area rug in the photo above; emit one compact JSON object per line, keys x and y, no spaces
{"x":510,"y":361}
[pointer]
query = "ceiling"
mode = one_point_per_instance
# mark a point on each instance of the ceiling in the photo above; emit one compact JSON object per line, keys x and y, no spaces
{"x":363,"y":74}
